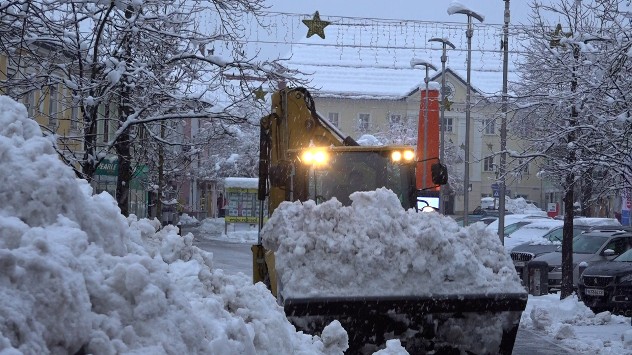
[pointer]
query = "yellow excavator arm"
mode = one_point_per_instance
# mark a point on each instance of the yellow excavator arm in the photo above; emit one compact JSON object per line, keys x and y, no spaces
{"x":293,"y":125}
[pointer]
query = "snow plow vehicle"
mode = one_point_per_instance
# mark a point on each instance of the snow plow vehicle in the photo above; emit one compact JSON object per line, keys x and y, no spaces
{"x":307,"y":161}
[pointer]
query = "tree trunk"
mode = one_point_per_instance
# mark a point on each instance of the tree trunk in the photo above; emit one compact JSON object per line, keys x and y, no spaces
{"x":569,"y":185}
{"x":587,"y":190}
{"x":124,"y":179}
{"x":161,"y":174}
{"x":567,"y":240}
{"x":123,"y":143}
{"x":89,"y":166}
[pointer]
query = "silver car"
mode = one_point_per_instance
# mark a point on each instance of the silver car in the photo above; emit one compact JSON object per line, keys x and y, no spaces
{"x":523,"y":253}
{"x":598,"y":245}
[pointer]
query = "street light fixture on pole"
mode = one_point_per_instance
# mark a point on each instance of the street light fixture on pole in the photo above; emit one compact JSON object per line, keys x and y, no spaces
{"x":445,"y":43}
{"x":458,"y":9}
{"x":420,"y":62}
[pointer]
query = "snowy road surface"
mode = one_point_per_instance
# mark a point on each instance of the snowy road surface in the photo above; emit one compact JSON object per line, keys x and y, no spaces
{"x":230,"y":256}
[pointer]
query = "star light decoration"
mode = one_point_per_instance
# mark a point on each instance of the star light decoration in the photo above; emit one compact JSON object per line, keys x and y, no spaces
{"x":447,"y":104}
{"x":316,"y":26}
{"x":260,"y":94}
{"x":557,"y":35}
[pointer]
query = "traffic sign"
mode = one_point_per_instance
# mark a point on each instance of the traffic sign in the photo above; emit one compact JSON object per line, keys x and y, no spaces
{"x":495,"y":186}
{"x":496,"y":193}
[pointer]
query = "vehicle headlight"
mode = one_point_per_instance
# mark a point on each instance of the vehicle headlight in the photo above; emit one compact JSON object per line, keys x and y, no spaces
{"x":315,"y":157}
{"x":409,"y":155}
{"x":557,"y":268}
{"x":625,"y":279}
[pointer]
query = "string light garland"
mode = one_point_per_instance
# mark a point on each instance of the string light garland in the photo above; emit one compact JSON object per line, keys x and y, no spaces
{"x":283,"y":32}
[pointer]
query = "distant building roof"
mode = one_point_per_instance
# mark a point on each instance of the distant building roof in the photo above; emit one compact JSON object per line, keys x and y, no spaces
{"x":372,"y":60}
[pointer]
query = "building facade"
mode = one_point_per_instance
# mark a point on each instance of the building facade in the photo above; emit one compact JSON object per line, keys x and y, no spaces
{"x":358,"y":116}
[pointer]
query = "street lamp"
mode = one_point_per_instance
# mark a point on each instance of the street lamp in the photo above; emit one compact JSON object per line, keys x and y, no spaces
{"x":503,"y":129}
{"x":420,"y":62}
{"x":459,"y":9}
{"x":445,"y":43}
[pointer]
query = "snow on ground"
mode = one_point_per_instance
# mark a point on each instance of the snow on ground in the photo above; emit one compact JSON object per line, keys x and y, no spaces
{"x":215,"y":228}
{"x":76,"y":275}
{"x":573,"y":325}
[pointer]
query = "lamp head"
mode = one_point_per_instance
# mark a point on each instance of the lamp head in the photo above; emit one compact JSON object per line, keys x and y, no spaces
{"x":415,"y":62}
{"x":443,"y":41}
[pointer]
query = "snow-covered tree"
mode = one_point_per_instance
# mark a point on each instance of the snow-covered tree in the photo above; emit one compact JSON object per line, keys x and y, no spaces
{"x":129,"y":64}
{"x":574,"y":100}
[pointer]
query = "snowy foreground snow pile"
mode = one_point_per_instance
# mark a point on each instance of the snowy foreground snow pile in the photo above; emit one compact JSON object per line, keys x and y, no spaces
{"x":75,"y":274}
{"x":374,"y":247}
{"x":573,"y":325}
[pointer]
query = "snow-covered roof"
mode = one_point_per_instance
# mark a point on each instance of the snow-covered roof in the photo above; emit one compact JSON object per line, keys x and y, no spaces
{"x":372,"y":60}
{"x":241,"y":182}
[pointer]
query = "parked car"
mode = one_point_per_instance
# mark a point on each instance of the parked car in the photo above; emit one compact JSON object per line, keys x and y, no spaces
{"x":482,"y":213}
{"x":515,"y":218}
{"x":523,"y":253}
{"x":590,"y":247}
{"x":607,"y":286}
{"x":533,"y":232}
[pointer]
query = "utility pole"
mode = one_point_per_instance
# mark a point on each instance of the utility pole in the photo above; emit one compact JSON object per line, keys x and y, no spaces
{"x":503,"y":130}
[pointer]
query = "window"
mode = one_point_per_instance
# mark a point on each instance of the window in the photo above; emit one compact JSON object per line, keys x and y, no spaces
{"x":523,"y":166}
{"x":489,"y":126}
{"x":52,"y":106}
{"x":448,"y":124}
{"x":488,"y":164}
{"x":74,"y":117}
{"x":333,"y":118}
{"x":364,"y":120}
{"x":394,"y":119}
{"x":29,"y":102}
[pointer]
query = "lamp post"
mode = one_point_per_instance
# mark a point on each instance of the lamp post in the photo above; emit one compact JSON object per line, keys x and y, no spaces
{"x":503,"y":129}
{"x":420,"y":62}
{"x":445,"y":43}
{"x":458,"y":9}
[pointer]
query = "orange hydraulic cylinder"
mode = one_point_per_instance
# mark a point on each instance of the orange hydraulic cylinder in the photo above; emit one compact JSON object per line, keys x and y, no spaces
{"x":431,"y":127}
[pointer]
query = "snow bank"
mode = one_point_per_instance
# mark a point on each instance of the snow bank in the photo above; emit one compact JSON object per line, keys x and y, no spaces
{"x":76,"y":275}
{"x":576,"y":327}
{"x":374,"y":247}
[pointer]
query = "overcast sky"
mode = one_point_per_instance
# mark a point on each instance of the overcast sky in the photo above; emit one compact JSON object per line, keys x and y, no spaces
{"x":428,"y":10}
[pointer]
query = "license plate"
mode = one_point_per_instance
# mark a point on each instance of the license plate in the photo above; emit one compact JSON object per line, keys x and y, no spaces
{"x":519,"y":263}
{"x":594,"y":292}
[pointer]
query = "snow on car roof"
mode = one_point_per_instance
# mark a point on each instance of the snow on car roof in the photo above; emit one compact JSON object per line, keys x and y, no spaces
{"x":532,"y":232}
{"x":595,"y":221}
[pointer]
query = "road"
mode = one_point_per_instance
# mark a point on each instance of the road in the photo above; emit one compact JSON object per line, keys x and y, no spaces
{"x":234,"y":258}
